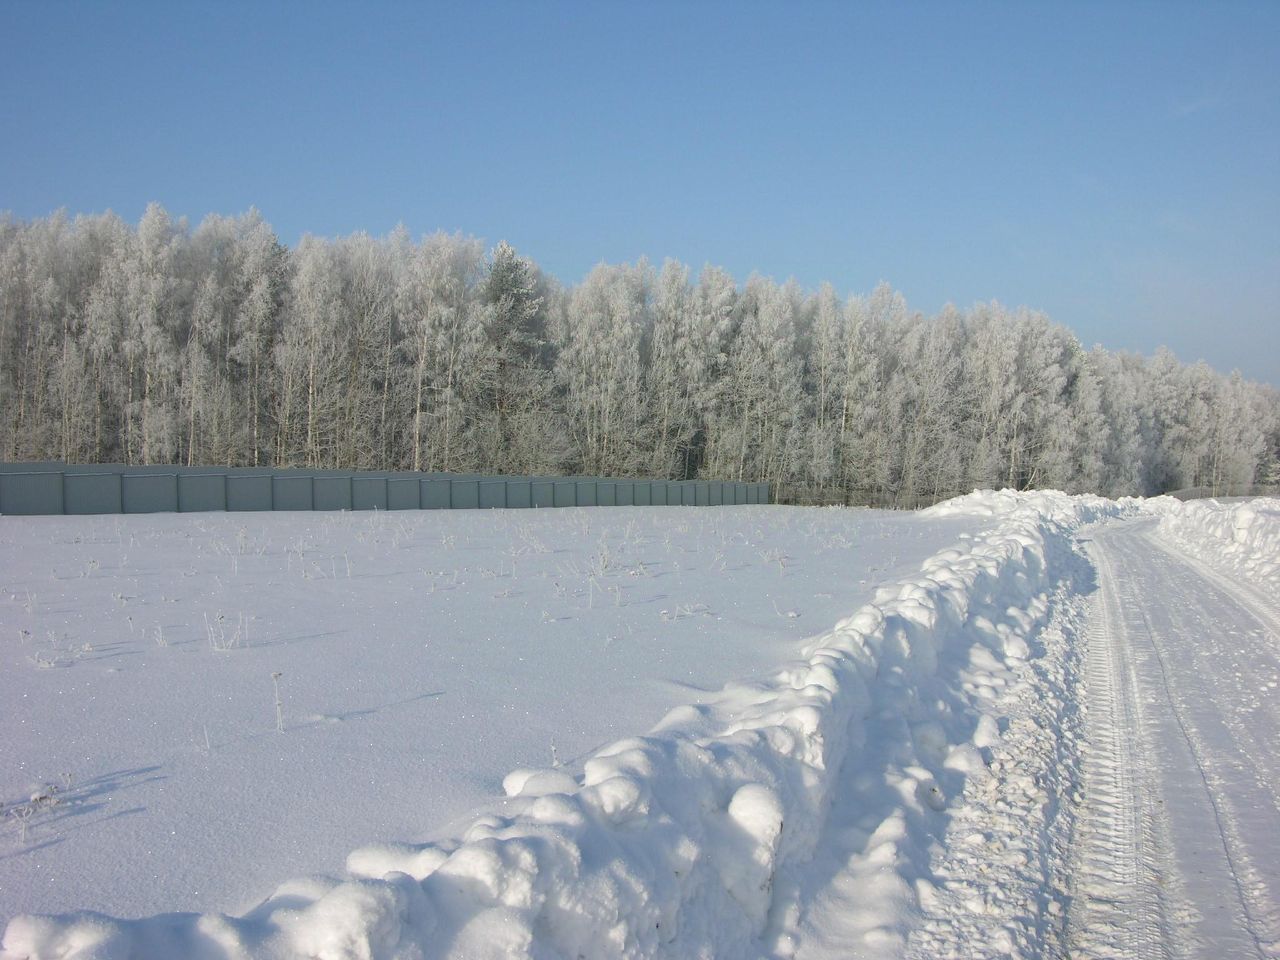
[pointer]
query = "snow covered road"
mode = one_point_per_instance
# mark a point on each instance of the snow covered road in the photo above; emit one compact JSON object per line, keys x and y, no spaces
{"x":1178,"y":851}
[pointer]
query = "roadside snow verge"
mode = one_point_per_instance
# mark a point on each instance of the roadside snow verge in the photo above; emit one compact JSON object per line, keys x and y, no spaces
{"x":1241,"y":537}
{"x":689,"y":841}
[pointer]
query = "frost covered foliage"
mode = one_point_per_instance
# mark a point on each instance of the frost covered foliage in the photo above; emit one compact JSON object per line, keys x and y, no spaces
{"x":1244,"y":537}
{"x":701,"y":838}
{"x":167,"y":344}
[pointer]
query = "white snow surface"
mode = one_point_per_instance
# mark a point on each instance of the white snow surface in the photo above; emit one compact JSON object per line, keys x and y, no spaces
{"x":1177,"y":851}
{"x":424,"y":657}
{"x":1242,"y":537}
{"x":790,"y":813}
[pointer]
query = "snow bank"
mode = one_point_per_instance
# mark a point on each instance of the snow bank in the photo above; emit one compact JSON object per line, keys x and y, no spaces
{"x":1243,"y":536}
{"x":1059,"y":508}
{"x":689,"y":841}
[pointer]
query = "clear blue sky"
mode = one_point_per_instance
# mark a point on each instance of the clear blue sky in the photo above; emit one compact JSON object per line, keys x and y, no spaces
{"x":1116,"y":165}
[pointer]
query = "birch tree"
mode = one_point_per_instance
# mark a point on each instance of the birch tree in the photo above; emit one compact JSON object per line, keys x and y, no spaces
{"x":669,"y":375}
{"x":444,"y":342}
{"x":599,"y":366}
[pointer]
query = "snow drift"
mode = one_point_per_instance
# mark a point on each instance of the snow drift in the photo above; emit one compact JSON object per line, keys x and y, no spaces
{"x":688,"y":841}
{"x":1243,"y":537}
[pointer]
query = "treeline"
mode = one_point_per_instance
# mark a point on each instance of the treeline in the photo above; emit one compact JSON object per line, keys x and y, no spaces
{"x":219,"y":345}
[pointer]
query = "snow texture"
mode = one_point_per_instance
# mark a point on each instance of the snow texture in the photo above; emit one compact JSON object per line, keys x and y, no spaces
{"x":703,"y":837}
{"x":1241,"y":536}
{"x":422,"y":658}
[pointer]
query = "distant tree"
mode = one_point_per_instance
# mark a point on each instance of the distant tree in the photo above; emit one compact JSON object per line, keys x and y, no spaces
{"x":1120,"y":452}
{"x":368,"y":304}
{"x":704,"y":354}
{"x":1089,"y":434}
{"x":445,"y":343}
{"x":751,"y":433}
{"x":307,"y":359}
{"x":822,"y":353}
{"x":513,"y":370}
{"x":149,"y":345}
{"x":256,"y":285}
{"x":932,"y":395}
{"x":600,"y":370}
{"x":671,"y":387}
{"x":1238,"y":436}
{"x":157,"y":344}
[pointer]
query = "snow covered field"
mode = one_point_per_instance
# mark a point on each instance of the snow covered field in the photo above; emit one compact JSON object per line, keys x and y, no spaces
{"x":423,"y":657}
{"x":1013,"y":725}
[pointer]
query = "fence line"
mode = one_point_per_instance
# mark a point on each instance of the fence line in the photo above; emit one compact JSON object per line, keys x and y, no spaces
{"x":1227,"y":490}
{"x":55,"y":488}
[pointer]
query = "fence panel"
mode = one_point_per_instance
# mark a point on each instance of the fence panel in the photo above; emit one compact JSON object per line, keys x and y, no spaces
{"x":606,"y":493}
{"x":519,"y":494}
{"x":31,"y":494}
{"x":92,"y":493}
{"x":402,"y":493}
{"x":149,"y":492}
{"x":544,"y":493}
{"x":464,"y":494}
{"x":566,"y":493}
{"x":368,"y":493}
{"x":331,"y":493}
{"x":437,"y":494}
{"x":624,"y":493}
{"x":291,"y":493}
{"x":492,"y":494}
{"x":586,"y":492}
{"x":248,"y":493}
{"x":202,"y":492}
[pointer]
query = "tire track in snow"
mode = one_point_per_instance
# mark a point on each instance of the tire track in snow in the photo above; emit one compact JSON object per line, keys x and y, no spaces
{"x":1224,"y":750}
{"x":1210,"y":799}
{"x":1263,"y":766}
{"x":1116,"y":909}
{"x":1245,"y":594}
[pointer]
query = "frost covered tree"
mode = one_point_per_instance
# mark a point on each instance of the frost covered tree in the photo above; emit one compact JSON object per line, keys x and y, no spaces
{"x":991,"y":358}
{"x":931,"y":392}
{"x":156,"y":343}
{"x":261,"y":281}
{"x":149,"y":347}
{"x":513,"y":371}
{"x":310,"y":389}
{"x":822,"y":354}
{"x":751,"y":432}
{"x":368,"y":304}
{"x":600,"y":369}
{"x":1089,"y":434}
{"x":703,"y":357}
{"x":443,"y":342}
{"x":671,"y":389}
{"x":1123,"y":450}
